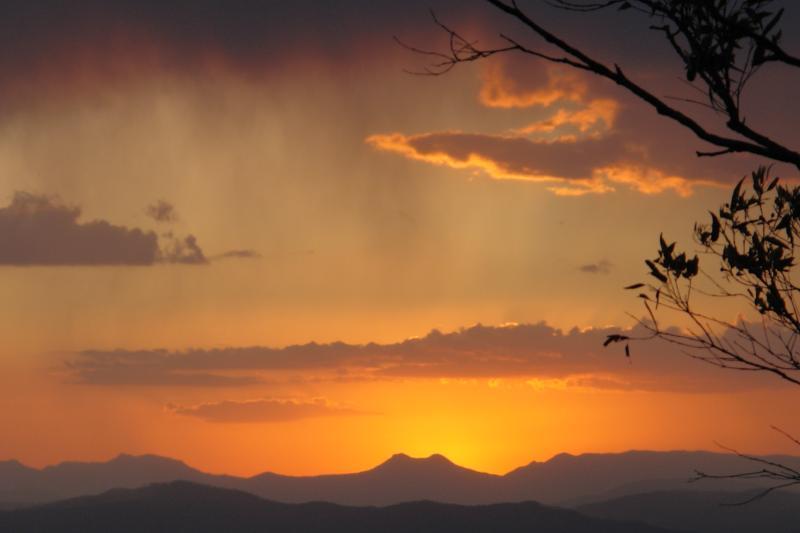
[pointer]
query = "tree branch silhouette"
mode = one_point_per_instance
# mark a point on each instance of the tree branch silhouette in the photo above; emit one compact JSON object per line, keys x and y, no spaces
{"x":784,"y":475}
{"x":754,"y":239}
{"x":722,"y":44}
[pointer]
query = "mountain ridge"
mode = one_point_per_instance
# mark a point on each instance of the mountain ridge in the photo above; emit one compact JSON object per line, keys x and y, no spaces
{"x":400,"y":456}
{"x":565,"y":479}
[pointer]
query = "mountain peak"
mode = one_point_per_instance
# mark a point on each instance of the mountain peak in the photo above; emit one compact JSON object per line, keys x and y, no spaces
{"x":564,"y":456}
{"x":12,"y":465}
{"x":148,"y":458}
{"x":405,"y":459}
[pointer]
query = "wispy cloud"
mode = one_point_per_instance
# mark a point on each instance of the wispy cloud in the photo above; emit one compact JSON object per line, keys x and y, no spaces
{"x":238,"y":254}
{"x":109,"y":373}
{"x":162,"y":211}
{"x":182,"y":250}
{"x":518,"y":351}
{"x":601,"y":267}
{"x":263,"y":410}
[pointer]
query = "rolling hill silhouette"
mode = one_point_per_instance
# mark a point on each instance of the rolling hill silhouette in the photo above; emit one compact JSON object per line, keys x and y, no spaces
{"x":186,"y":507}
{"x":563,"y":480}
{"x":705,"y":512}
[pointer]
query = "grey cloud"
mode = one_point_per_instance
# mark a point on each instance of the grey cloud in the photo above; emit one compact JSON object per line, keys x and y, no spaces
{"x":183,"y":250}
{"x":238,"y":254}
{"x":601,"y":267}
{"x":150,"y":377}
{"x":527,"y":351}
{"x":37,"y":230}
{"x":162,"y":211}
{"x":40,"y":230}
{"x":262,"y":410}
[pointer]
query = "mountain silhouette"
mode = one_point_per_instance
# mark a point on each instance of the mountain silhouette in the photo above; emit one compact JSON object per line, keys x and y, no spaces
{"x":399,"y":479}
{"x":569,"y":480}
{"x":21,"y":484}
{"x":186,"y":507}
{"x":577,"y":479}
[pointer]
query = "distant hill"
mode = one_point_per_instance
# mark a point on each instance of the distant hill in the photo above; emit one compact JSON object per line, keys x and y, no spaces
{"x":563,"y":480}
{"x":573,"y":479}
{"x":704,"y":512}
{"x":186,"y":507}
{"x":21,"y":484}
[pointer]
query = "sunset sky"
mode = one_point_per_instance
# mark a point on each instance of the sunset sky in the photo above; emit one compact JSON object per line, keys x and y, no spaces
{"x":241,"y":234}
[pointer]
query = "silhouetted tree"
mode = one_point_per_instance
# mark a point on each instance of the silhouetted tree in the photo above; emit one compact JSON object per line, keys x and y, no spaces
{"x":753,"y":238}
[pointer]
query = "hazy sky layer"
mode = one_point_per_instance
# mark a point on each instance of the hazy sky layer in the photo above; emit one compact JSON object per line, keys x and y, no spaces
{"x":240,"y":234}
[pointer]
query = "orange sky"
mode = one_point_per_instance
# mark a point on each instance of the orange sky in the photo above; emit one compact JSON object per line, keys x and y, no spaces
{"x":319,"y":194}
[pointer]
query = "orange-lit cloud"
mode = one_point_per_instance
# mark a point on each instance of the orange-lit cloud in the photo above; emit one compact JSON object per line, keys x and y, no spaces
{"x":595,"y":119}
{"x":536,"y":353}
{"x":439,"y":154}
{"x":564,"y":93}
{"x":648,"y":180}
{"x":577,"y":148}
{"x":572,"y":168}
{"x":499,"y":90}
{"x":263,"y":410}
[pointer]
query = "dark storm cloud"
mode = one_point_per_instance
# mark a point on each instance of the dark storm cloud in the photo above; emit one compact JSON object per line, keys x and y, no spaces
{"x":86,"y":49}
{"x":94,"y":43}
{"x":63,"y":49}
{"x":89,"y":44}
{"x":39,"y":230}
{"x":262,"y":410}
{"x":257,"y":35}
{"x":530,"y":352}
